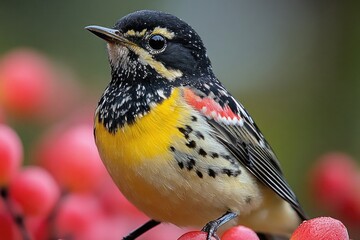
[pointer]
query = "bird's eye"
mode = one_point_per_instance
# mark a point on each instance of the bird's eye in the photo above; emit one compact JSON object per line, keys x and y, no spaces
{"x":156,"y":43}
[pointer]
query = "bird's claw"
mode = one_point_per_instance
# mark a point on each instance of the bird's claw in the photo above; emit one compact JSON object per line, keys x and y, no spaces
{"x":210,"y":228}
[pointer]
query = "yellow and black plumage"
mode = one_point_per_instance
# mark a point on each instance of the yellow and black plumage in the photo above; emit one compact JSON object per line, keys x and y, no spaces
{"x":175,"y":141}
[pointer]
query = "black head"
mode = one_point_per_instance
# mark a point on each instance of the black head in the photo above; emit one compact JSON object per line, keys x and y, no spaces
{"x":154,"y":44}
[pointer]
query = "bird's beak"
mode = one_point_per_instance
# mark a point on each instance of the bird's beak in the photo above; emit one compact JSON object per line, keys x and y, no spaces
{"x":108,"y":34}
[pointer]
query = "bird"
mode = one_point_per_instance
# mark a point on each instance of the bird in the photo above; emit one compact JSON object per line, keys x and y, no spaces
{"x":176,"y":143}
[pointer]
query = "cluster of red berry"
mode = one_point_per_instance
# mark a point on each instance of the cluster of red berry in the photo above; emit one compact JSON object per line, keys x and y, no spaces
{"x":63,"y":190}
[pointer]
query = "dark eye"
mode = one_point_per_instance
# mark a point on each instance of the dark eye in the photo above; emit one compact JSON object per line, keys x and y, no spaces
{"x":157,"y":43}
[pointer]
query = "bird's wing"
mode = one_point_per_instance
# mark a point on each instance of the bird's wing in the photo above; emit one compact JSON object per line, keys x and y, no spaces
{"x":236,"y":130}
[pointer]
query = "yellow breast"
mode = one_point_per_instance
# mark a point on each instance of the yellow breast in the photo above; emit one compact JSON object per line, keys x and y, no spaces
{"x":148,"y":138}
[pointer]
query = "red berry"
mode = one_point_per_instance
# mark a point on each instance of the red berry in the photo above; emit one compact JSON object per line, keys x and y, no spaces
{"x":239,"y":233}
{"x":8,"y":229}
{"x":332,"y":180}
{"x":322,"y":228}
{"x":76,"y":214}
{"x":350,"y":210}
{"x":72,"y":157}
{"x":11,"y":154}
{"x":195,"y":235}
{"x":35,"y":191}
{"x":25,"y":82}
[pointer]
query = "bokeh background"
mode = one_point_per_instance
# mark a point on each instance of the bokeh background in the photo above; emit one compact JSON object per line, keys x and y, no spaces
{"x":295,"y":66}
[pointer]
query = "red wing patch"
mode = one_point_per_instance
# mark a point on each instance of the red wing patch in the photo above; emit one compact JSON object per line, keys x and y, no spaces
{"x":211,"y":109}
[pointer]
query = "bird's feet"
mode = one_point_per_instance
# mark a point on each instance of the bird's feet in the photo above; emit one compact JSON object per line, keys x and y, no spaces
{"x":212,"y":226}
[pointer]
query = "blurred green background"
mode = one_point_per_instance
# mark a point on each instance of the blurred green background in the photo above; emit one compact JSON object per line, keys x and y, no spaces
{"x":295,"y":65}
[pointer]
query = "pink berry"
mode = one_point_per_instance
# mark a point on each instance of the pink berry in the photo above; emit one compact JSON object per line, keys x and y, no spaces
{"x":194,"y":235}
{"x":72,"y":157}
{"x":332,"y":180}
{"x":239,"y":233}
{"x":11,"y":154}
{"x":76,"y":214}
{"x":109,"y":228}
{"x":114,"y":203}
{"x":39,"y":227}
{"x":165,"y":232}
{"x":322,"y":228}
{"x":35,"y":191}
{"x":25,"y":81}
{"x":65,"y":96}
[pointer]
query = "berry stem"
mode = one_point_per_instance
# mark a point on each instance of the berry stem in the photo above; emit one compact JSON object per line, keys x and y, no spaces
{"x":52,"y":217}
{"x":18,"y":218}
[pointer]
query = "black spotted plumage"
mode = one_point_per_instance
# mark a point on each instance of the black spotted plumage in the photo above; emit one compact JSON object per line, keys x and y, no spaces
{"x":142,"y":79}
{"x":248,"y":145}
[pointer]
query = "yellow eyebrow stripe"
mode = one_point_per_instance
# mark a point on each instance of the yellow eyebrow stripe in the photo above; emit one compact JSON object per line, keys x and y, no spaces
{"x":158,"y":30}
{"x":132,"y":33}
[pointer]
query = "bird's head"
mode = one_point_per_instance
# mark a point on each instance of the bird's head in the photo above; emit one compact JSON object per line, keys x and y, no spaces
{"x":150,"y":54}
{"x":149,"y":44}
